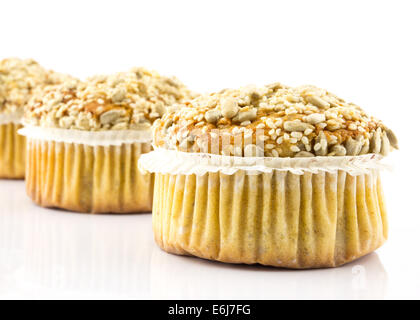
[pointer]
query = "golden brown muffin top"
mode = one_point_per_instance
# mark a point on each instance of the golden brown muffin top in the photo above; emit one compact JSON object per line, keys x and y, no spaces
{"x":274,"y":121}
{"x":18,"y":80}
{"x":122,"y":101}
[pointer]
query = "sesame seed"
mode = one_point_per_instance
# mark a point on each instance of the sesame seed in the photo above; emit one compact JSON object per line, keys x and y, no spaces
{"x":352,"y":126}
{"x":308,"y":131}
{"x":271,"y":124}
{"x":278,"y":123}
{"x":296,"y":134}
{"x":262,"y":137}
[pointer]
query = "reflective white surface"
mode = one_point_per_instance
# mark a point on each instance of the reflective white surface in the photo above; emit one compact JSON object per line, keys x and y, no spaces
{"x":48,"y":253}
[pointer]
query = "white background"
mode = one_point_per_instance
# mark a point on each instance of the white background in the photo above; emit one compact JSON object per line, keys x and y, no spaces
{"x":364,"y":51}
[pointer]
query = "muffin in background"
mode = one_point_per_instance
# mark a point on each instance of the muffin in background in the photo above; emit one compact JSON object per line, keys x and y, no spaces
{"x":84,"y":139}
{"x":279,"y":176}
{"x":19,"y":79}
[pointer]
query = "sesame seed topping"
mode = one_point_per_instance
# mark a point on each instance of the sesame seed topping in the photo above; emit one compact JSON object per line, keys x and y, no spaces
{"x":285,"y":120}
{"x":126,"y":100}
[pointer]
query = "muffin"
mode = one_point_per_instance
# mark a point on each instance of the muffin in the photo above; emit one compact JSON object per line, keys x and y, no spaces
{"x":18,"y":81}
{"x":274,"y":175}
{"x":84,"y":139}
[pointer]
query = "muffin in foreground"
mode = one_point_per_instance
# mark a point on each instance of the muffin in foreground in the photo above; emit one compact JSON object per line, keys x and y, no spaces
{"x":278,"y":176}
{"x":18,"y":81}
{"x":84,"y":139}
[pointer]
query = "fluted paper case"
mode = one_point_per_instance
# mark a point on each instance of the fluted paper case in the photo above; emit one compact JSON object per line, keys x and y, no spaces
{"x":295,"y":213}
{"x":12,"y":147}
{"x":93,"y":172}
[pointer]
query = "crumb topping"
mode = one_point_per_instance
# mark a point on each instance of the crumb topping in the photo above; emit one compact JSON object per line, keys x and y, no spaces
{"x":19,"y":79}
{"x":126,"y":100}
{"x":274,"y":121}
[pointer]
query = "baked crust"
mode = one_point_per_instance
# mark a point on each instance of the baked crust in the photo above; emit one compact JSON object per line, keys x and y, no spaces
{"x":20,"y":79}
{"x":290,"y":122}
{"x":127,"y":100}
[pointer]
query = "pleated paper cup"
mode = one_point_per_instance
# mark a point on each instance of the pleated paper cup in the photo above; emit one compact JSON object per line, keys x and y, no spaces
{"x":12,"y":150}
{"x":97,"y":176}
{"x":283,"y":218}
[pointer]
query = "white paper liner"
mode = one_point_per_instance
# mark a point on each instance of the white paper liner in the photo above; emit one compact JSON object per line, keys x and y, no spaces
{"x":177,"y":162}
{"x":90,"y":138}
{"x":13,"y":117}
